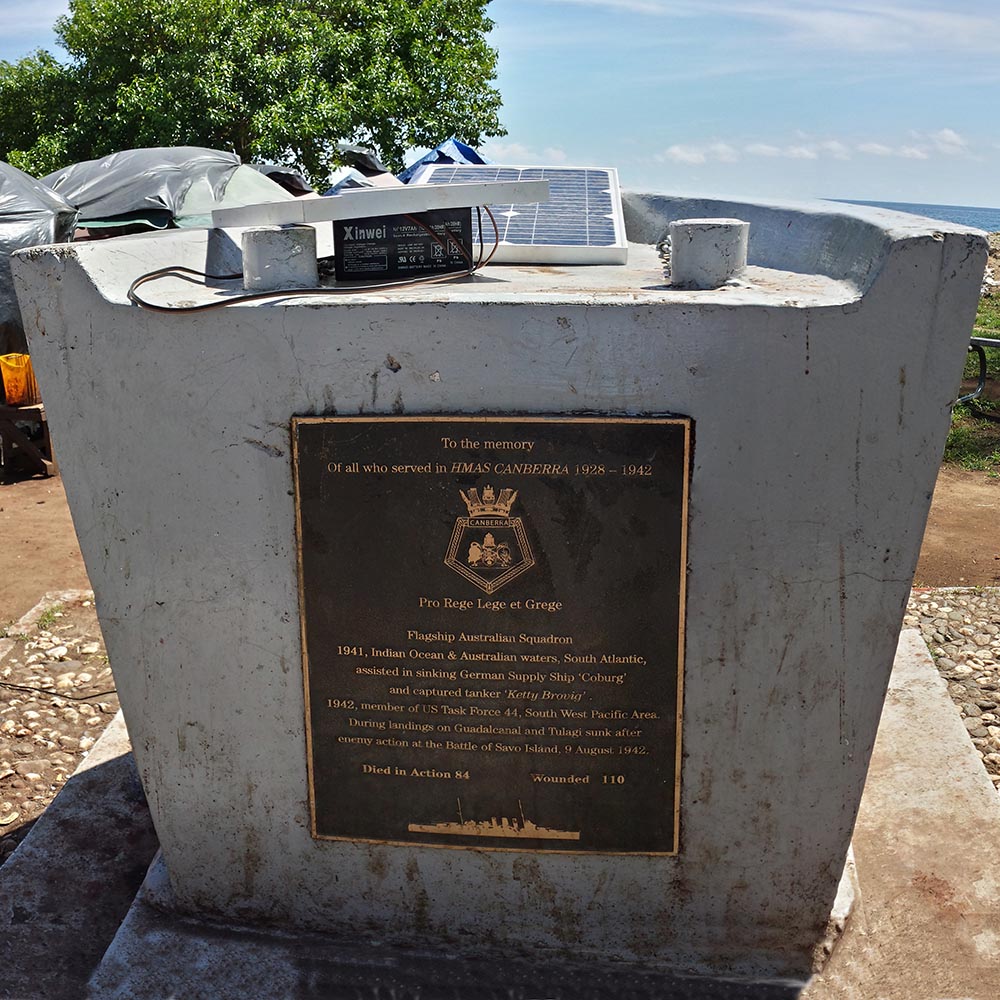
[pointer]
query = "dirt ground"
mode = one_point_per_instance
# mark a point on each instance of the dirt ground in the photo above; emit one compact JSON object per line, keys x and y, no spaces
{"x":962,"y":541}
{"x":38,"y":547}
{"x":39,"y":550}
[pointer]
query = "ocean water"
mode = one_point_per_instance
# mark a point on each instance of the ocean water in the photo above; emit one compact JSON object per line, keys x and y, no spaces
{"x":965,"y":215}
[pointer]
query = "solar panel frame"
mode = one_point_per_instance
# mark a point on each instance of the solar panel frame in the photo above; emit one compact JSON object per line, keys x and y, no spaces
{"x":582,"y":223}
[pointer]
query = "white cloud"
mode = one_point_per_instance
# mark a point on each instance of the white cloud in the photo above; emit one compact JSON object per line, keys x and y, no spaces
{"x":723,"y":152}
{"x":890,"y":26}
{"x":949,"y":142}
{"x":652,"y":7}
{"x":695,"y":155}
{"x":805,"y":148}
{"x":691,"y":155}
{"x":897,"y":26}
{"x":810,"y":150}
{"x":837,"y":149}
{"x":875,"y":148}
{"x":945,"y":142}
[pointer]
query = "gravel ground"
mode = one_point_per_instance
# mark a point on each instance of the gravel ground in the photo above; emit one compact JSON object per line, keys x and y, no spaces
{"x":56,"y":698}
{"x":962,"y":630}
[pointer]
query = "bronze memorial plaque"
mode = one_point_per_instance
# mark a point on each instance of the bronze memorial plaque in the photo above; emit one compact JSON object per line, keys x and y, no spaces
{"x":492,"y":627}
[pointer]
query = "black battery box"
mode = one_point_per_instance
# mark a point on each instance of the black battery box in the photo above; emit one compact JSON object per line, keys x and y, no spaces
{"x":395,"y":247}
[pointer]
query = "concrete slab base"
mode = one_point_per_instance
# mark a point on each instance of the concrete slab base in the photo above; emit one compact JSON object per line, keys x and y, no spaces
{"x":65,"y":890}
{"x":928,"y":928}
{"x":927,"y":843}
{"x":158,"y":956}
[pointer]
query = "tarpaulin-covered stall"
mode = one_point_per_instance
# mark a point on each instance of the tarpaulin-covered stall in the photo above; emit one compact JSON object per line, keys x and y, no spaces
{"x":152,"y":188}
{"x":30,"y":215}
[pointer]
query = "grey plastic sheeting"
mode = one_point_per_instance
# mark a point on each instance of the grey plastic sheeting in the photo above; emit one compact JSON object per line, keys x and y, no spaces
{"x":288,"y":177}
{"x":138,"y":179}
{"x":31,"y":215}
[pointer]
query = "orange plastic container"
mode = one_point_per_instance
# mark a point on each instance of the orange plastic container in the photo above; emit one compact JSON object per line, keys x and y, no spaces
{"x":19,"y":385}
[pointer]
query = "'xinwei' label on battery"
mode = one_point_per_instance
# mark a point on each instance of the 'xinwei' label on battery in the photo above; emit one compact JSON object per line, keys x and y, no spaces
{"x":394,"y":247}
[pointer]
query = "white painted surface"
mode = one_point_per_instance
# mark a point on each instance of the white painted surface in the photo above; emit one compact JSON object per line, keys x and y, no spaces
{"x":821,"y":403}
{"x":279,"y":257}
{"x":706,"y":253}
{"x":357,"y":203}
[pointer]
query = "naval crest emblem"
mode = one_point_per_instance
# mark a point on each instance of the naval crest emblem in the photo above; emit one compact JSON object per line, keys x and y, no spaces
{"x":489,"y":547}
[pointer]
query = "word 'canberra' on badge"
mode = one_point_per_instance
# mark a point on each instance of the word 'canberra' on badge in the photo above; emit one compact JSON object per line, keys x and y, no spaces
{"x":489,"y":547}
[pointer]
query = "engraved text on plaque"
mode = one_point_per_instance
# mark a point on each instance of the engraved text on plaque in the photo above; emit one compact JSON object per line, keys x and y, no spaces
{"x":492,"y":620}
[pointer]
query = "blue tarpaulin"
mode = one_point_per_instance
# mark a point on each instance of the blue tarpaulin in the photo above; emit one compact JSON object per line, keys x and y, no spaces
{"x":449,"y":151}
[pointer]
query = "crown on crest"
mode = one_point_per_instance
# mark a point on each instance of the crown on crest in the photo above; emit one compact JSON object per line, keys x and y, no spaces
{"x":490,"y":505}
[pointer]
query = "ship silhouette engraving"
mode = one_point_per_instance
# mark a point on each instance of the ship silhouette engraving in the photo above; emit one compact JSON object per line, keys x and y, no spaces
{"x":504,"y":827}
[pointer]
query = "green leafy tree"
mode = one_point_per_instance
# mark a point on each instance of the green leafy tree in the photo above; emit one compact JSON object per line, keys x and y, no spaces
{"x":279,"y":80}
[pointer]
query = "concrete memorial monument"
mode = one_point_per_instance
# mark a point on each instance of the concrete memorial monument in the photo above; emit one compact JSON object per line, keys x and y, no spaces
{"x":596,"y":582}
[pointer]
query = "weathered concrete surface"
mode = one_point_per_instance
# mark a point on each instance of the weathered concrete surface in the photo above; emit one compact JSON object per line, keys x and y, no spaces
{"x":928,"y":853}
{"x":159,"y":956}
{"x":821,"y":402}
{"x":65,"y":890}
{"x":279,"y":257}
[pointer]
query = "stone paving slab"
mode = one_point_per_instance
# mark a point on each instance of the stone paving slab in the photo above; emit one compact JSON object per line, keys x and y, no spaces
{"x":927,"y":845}
{"x":65,"y":890}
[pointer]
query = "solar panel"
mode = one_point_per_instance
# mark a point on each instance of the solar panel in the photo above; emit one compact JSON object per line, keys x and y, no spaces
{"x":581,"y":223}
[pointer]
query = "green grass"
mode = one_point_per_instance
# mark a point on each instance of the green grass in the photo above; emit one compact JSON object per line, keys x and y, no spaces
{"x":987,"y":325}
{"x":48,"y":617}
{"x":974,"y":442}
{"x":988,"y":317}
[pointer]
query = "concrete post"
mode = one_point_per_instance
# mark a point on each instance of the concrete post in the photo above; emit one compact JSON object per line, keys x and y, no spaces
{"x":706,"y":253}
{"x":276,"y":257}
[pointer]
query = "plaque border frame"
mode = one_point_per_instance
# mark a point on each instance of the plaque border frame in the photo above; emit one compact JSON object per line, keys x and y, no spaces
{"x":686,"y":423}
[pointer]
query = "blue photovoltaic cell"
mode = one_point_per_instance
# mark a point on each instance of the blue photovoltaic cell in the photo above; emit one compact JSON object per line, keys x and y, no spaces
{"x":579,"y":212}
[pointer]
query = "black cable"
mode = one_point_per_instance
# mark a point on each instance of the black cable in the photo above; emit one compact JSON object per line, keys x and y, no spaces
{"x":56,"y":694}
{"x":496,"y":235}
{"x":180,"y":271}
{"x":276,"y":294}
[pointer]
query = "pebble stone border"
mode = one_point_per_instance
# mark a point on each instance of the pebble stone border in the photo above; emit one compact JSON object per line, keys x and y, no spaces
{"x":56,"y":697}
{"x":961,"y":627}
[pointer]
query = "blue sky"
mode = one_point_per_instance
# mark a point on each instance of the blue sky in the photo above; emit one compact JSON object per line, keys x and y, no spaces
{"x":893,"y":100}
